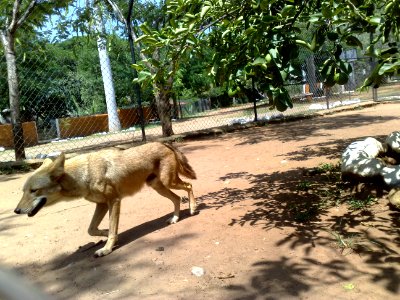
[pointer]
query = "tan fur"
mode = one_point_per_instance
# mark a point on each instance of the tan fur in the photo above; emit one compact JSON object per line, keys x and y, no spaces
{"x":106,"y":177}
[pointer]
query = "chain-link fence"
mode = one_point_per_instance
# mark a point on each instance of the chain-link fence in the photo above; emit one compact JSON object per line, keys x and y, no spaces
{"x":70,"y":102}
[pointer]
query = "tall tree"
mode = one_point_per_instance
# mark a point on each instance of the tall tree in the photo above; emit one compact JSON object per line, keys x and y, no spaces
{"x":160,"y":56}
{"x":17,"y":14}
{"x":114,"y":123}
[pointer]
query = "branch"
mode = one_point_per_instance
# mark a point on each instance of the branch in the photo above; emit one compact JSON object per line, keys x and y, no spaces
{"x":355,"y":10}
{"x":26,"y":14}
{"x":201,"y":30}
{"x":14,"y":17}
{"x":123,"y":20}
{"x":117,"y":11}
{"x":299,"y":11}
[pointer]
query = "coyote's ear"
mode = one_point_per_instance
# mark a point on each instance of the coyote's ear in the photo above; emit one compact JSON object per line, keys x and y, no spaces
{"x":57,"y":168}
{"x":46,"y":162}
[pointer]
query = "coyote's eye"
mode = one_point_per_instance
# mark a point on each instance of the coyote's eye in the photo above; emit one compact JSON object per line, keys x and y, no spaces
{"x":33,"y":191}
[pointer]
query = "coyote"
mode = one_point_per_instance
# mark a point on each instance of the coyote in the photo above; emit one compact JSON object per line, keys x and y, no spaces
{"x":105,"y":177}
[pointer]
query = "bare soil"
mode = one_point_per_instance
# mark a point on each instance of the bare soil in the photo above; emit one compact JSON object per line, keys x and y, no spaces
{"x":274,"y":222}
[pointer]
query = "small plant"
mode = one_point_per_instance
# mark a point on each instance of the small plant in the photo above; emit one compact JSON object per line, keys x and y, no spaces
{"x":330,"y":170}
{"x":304,"y":186}
{"x":356,"y":242}
{"x":304,"y":212}
{"x":7,"y":169}
{"x":326,"y":167}
{"x":178,"y":139}
{"x":350,"y":242}
{"x":361,"y":204}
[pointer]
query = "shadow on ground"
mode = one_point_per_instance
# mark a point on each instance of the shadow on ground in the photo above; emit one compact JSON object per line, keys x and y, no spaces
{"x":303,"y":129}
{"x":286,"y":279}
{"x":72,"y":275}
{"x":303,"y":202}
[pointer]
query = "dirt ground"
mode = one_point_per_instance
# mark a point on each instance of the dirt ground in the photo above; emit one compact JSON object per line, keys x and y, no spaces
{"x":252,"y":236}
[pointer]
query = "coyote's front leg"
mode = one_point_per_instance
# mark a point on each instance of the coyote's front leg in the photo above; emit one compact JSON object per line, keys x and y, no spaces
{"x":98,"y":216}
{"x":114,"y":209}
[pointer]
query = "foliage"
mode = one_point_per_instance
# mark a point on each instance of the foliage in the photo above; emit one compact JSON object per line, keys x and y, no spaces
{"x":194,"y":75}
{"x":7,"y":168}
{"x":66,"y":75}
{"x":258,"y":41}
{"x":40,"y":11}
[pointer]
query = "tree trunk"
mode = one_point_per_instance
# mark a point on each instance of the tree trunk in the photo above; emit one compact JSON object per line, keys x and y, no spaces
{"x":175,"y":110}
{"x":312,"y":80}
{"x":14,"y":96}
{"x":162,"y":93}
{"x":114,"y":123}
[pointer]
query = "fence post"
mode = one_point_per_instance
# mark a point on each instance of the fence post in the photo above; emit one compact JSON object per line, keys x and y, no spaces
{"x":374,"y":94}
{"x":372,"y":64}
{"x":253,"y":92}
{"x":136,"y":85}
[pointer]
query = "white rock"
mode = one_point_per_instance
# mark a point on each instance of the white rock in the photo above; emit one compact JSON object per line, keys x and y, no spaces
{"x":393,"y":141}
{"x":359,"y":158}
{"x":198,"y":271}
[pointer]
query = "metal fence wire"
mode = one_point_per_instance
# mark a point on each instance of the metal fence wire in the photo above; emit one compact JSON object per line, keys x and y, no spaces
{"x":64,"y":107}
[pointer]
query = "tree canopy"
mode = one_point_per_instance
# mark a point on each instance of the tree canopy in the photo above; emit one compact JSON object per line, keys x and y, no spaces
{"x":257,"y":42}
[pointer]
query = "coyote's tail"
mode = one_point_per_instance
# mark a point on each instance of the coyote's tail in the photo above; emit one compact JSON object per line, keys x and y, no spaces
{"x":183,"y":164}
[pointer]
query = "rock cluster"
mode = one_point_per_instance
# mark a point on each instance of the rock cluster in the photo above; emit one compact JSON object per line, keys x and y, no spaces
{"x":372,"y":161}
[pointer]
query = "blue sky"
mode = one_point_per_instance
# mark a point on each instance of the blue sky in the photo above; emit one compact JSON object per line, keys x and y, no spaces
{"x":50,"y":31}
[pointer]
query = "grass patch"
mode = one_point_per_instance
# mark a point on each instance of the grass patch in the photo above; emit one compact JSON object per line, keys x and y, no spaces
{"x":7,"y":168}
{"x":304,"y":212}
{"x":323,"y":188}
{"x":348,"y":242}
{"x":361,"y":204}
{"x":304,"y":186}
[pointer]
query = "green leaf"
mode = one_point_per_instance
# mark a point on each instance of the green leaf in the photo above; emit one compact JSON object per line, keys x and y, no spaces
{"x":346,"y":67}
{"x":259,"y":61}
{"x":145,"y":28}
{"x":327,"y":11}
{"x":284,"y":75}
{"x":146,"y":39}
{"x":137,"y":67}
{"x":204,"y":10}
{"x":225,"y":32}
{"x":269,"y":19}
{"x":274,"y":53}
{"x":288,"y":11}
{"x":155,"y":62}
{"x":143,"y":76}
{"x":389,"y":67}
{"x":374,"y":20}
{"x":315,"y":18}
{"x":180,"y":30}
{"x":303,"y":44}
{"x":351,"y":40}
{"x":264,"y":4}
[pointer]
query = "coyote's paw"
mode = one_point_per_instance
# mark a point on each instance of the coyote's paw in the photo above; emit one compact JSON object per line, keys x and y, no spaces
{"x":102,"y":252}
{"x":193,"y":210}
{"x":173,"y":220}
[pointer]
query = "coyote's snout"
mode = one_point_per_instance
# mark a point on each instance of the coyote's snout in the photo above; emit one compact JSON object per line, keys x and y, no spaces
{"x":106,"y":177}
{"x":37,"y":204}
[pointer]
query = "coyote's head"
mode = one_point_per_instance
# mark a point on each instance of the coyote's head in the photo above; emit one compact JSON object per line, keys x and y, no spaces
{"x":42,"y":187}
